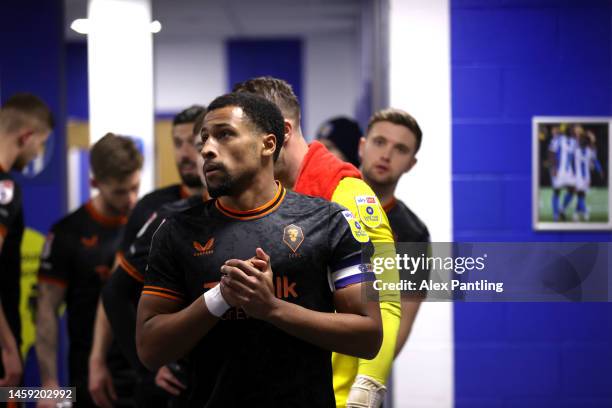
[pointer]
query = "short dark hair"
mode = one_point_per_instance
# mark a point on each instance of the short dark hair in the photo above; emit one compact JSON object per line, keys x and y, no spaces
{"x":275,"y":90}
{"x":23,"y":108}
{"x":197,"y":124}
{"x":188,"y":115}
{"x":263,"y":114}
{"x":397,"y":117}
{"x":114,"y":157}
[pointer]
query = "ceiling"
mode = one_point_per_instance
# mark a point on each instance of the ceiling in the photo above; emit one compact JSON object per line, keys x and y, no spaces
{"x":241,"y":18}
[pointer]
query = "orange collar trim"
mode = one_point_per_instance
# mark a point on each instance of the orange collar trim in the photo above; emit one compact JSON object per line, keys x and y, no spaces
{"x":184,"y":191}
{"x":389,"y":206}
{"x":258,"y":212}
{"x":104,"y":219}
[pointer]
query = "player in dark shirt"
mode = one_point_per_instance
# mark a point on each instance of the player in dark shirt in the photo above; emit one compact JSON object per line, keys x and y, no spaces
{"x":25,"y":125}
{"x":11,"y":233}
{"x":388,"y":151}
{"x":124,"y":287}
{"x":406,"y":225}
{"x":77,"y":260}
{"x":120,"y":296}
{"x":291,"y":307}
{"x":185,"y":156}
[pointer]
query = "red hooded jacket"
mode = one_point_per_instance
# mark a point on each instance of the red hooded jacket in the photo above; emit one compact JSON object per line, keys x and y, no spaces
{"x":321,"y":172}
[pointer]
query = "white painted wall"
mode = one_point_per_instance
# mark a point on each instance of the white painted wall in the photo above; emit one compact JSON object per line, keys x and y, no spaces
{"x":420,"y":84}
{"x":188,"y":73}
{"x":331,"y":68}
{"x":195,"y":72}
{"x":120,"y":74}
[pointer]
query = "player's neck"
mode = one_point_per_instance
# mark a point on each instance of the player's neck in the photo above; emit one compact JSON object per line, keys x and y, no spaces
{"x":384,"y":192}
{"x":204,"y":194}
{"x":104,"y":209}
{"x":385,"y":196}
{"x":196,"y":191}
{"x":8,"y":152}
{"x":296,"y":155}
{"x":261,"y":190}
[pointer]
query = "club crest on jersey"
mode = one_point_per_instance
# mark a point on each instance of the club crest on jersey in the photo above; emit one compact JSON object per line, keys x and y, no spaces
{"x":369,"y":210}
{"x":7,"y":190}
{"x":356,"y":228}
{"x":293,"y":236}
{"x":206,"y":249}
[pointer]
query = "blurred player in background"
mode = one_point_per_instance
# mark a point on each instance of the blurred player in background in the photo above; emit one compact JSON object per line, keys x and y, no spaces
{"x":75,"y":263}
{"x":25,"y":125}
{"x":123,"y":289}
{"x":561,"y":151}
{"x":341,"y":137}
{"x":387,"y":152}
{"x":585,"y":161}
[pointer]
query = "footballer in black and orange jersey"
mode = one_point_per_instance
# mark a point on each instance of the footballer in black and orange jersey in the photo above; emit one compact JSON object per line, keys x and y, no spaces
{"x":273,"y":347}
{"x":122,"y":292}
{"x":314,"y":252}
{"x":77,"y":259}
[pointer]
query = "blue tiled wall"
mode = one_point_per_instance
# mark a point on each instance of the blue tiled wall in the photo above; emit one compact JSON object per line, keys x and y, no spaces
{"x":511,"y":60}
{"x":32,"y":60}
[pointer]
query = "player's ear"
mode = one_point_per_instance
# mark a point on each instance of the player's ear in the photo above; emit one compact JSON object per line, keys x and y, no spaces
{"x":413,"y":161}
{"x":269,"y":145}
{"x":93,"y":182}
{"x":23,"y":136}
{"x":288,"y":131}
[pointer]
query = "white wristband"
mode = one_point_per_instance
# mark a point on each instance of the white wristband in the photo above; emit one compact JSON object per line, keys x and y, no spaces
{"x":215,"y":303}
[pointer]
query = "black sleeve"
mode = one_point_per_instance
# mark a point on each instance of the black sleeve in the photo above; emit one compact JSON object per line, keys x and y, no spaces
{"x":162,"y":277}
{"x":425,"y":237}
{"x":55,"y":258}
{"x":120,"y":296}
{"x":134,"y":259}
{"x":10,"y":204}
{"x":139,"y":216}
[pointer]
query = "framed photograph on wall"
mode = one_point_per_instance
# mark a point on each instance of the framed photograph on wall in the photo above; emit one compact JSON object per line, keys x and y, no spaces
{"x":571,"y":173}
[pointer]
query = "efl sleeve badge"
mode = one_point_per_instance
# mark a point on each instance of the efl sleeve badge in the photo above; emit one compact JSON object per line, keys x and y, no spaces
{"x":369,"y":210}
{"x":7,"y":190}
{"x":356,"y":228}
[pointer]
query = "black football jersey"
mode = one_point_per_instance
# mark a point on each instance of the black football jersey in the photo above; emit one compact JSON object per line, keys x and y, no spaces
{"x":133,"y":259}
{"x":412,"y":237}
{"x":79,"y":255}
{"x":406,"y":226}
{"x":243,"y":361}
{"x":11,"y":229}
{"x":146,"y":206}
{"x":122,"y":292}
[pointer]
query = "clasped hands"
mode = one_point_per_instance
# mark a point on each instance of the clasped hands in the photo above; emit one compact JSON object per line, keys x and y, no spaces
{"x":248,"y":284}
